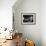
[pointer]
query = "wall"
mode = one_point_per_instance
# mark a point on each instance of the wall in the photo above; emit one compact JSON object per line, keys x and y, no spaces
{"x":43,"y":22}
{"x":29,"y":31}
{"x":6,"y":13}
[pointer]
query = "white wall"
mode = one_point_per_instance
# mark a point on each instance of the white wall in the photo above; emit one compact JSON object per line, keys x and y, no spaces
{"x":30,"y":31}
{"x":43,"y":22}
{"x":39,"y":7}
{"x":6,"y":13}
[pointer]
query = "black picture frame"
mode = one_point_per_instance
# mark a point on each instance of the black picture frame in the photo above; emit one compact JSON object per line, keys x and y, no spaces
{"x":28,"y":18}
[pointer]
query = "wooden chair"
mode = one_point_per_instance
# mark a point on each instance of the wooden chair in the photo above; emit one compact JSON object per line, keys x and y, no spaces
{"x":18,"y":39}
{"x":29,"y":43}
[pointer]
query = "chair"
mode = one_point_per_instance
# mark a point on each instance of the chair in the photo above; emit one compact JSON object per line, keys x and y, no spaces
{"x":29,"y":43}
{"x":18,"y":39}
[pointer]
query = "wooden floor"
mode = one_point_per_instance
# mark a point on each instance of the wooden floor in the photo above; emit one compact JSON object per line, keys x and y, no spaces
{"x":9,"y":43}
{"x":13,"y":41}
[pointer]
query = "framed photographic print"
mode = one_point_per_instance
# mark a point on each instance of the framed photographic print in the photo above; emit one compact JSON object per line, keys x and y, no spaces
{"x":28,"y":18}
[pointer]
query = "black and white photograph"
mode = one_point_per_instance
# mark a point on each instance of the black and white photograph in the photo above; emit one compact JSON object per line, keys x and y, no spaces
{"x":28,"y":18}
